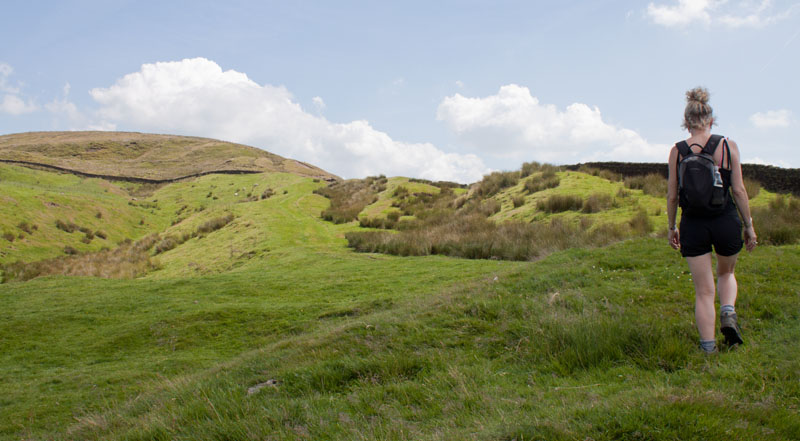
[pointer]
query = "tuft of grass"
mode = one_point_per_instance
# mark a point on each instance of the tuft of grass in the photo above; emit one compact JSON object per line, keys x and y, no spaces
{"x":778,"y":223}
{"x":547,"y":179}
{"x":602,"y":173}
{"x":752,"y":186}
{"x":348,"y":198}
{"x":652,"y":184}
{"x":596,"y":203}
{"x":129,"y":260}
{"x":493,"y":183}
{"x":518,"y":200}
{"x":215,"y":224}
{"x":26,"y":227}
{"x":67,"y":227}
{"x":560,"y":202}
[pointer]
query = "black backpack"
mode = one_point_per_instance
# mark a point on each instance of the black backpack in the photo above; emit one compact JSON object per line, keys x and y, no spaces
{"x":701,"y":190}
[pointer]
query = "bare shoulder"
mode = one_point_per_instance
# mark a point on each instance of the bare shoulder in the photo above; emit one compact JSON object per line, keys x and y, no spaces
{"x":733,"y":146}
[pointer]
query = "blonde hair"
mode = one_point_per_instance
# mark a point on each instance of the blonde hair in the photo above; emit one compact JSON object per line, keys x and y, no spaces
{"x":698,"y":114}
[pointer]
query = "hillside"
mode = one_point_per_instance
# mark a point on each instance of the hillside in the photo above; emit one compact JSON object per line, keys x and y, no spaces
{"x":225,"y":307}
{"x":145,"y":156}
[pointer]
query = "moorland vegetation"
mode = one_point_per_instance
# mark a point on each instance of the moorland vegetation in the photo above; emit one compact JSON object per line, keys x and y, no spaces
{"x":238,"y":307}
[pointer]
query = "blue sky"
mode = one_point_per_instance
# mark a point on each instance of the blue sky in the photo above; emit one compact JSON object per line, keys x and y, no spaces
{"x":440,"y":90}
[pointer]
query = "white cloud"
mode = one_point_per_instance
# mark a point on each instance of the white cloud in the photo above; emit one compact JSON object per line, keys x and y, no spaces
{"x":63,"y":107}
{"x":196,"y":97}
{"x":753,"y":14}
{"x":11,"y":102}
{"x":16,"y":106}
{"x":319,"y":103}
{"x":758,"y":160}
{"x":513,"y":124}
{"x":772,"y":119}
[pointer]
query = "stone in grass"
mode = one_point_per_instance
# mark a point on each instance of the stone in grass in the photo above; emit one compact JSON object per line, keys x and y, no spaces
{"x":259,"y":386}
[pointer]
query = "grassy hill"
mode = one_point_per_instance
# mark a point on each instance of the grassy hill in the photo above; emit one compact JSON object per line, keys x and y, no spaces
{"x":254,"y":320}
{"x":144,"y":156}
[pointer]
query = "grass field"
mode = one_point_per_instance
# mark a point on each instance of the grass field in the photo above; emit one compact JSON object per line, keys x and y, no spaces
{"x":583,"y":344}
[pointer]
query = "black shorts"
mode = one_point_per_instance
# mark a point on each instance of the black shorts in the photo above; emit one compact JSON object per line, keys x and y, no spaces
{"x":698,"y":234}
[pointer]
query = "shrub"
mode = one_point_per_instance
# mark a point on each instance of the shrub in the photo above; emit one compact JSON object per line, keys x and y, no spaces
{"x":68,"y":227}
{"x":518,"y":200}
{"x":267,"y":194}
{"x":596,"y":203}
{"x":214,"y":224}
{"x":99,"y":215}
{"x":349,"y":198}
{"x":493,"y":183}
{"x":547,"y":179}
{"x":652,"y":184}
{"x":166,"y":244}
{"x":377,"y":222}
{"x":400,"y":192}
{"x":558,"y":203}
{"x":24,"y":226}
{"x":86,"y":239}
{"x":752,"y":186}
{"x":128,"y":260}
{"x":778,"y":223}
{"x":528,"y":168}
{"x":475,"y":237}
{"x":641,"y":223}
{"x":101,"y":234}
{"x":9,"y":236}
{"x":602,"y":173}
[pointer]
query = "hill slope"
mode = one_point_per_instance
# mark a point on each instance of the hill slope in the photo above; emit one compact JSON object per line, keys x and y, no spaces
{"x":145,"y":156}
{"x":582,"y":344}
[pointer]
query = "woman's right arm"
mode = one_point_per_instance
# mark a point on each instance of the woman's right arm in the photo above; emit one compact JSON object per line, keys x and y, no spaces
{"x":672,"y":199}
{"x":740,"y":196}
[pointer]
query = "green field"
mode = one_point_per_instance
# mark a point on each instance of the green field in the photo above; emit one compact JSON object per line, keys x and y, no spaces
{"x":583,"y":344}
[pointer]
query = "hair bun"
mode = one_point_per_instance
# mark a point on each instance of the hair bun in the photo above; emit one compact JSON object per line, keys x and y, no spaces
{"x":699,"y":94}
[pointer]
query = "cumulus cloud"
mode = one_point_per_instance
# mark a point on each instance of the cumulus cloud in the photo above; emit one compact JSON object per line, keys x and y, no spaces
{"x":12,"y":103}
{"x":513,"y":124}
{"x":731,"y":14}
{"x":195,"y":96}
{"x":758,"y":160}
{"x":772,"y":119}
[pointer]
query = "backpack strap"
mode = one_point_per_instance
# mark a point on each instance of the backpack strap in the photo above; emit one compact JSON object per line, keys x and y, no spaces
{"x":683,"y":149}
{"x":711,"y":145}
{"x":728,"y":151}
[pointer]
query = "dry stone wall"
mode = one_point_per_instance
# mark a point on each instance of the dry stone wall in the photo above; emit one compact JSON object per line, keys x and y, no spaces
{"x":775,"y":179}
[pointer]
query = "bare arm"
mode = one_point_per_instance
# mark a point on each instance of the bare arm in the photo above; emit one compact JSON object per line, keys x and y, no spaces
{"x":740,"y":196}
{"x":672,"y":199}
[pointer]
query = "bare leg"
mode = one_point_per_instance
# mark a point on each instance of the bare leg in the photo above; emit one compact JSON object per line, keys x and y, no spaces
{"x":726,"y":281}
{"x":703,"y":278}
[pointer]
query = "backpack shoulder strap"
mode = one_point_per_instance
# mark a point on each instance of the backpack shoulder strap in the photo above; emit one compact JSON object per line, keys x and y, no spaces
{"x":683,"y":149}
{"x":726,"y":153}
{"x":711,"y":145}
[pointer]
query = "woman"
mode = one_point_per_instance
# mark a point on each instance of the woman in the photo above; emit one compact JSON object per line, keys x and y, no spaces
{"x":697,"y":232}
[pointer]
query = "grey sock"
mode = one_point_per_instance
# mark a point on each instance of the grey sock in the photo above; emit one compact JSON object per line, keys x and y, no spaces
{"x":708,"y":345}
{"x":726,"y":309}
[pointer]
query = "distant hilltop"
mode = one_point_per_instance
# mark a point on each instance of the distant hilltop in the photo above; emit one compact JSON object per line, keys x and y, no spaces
{"x":144,"y":157}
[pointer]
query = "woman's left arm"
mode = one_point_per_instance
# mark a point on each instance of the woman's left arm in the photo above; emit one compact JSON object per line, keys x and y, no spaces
{"x":740,"y":196}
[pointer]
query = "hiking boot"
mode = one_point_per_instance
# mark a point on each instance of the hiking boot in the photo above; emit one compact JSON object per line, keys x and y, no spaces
{"x":730,"y":329}
{"x":710,"y":353}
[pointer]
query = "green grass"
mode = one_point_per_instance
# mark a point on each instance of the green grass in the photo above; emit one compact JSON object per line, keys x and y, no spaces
{"x":596,"y":343}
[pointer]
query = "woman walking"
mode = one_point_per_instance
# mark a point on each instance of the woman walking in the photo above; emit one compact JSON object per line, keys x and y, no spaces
{"x":705,"y":178}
